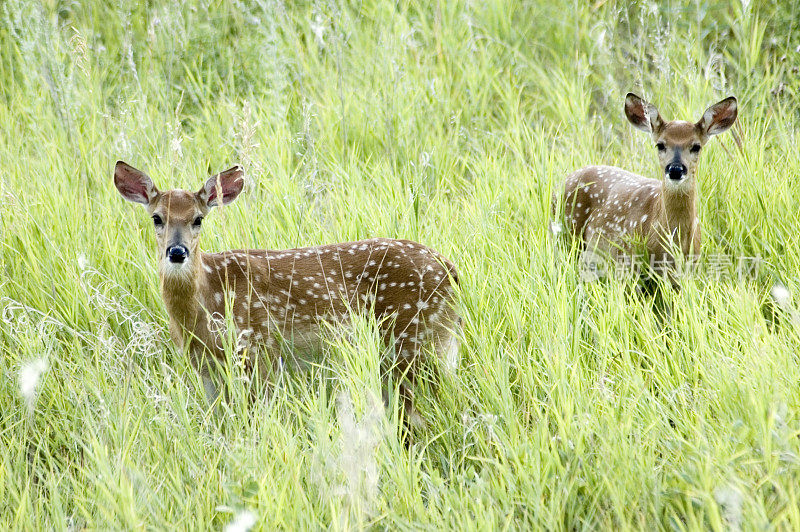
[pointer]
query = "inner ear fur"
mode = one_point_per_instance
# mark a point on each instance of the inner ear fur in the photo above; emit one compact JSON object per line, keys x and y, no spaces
{"x":643,"y":114}
{"x":133,"y":184}
{"x":719,"y":117}
{"x":227,"y":184}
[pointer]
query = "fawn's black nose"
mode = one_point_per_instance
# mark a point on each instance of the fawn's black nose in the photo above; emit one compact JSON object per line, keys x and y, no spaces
{"x":676,"y":171}
{"x":177,"y":253}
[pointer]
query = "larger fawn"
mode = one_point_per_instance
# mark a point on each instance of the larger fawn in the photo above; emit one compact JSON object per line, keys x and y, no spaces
{"x":279,"y":299}
{"x":610,"y":208}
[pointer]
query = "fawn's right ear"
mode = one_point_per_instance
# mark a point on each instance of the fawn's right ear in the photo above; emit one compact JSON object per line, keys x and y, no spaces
{"x":133,"y":184}
{"x":642,"y":114}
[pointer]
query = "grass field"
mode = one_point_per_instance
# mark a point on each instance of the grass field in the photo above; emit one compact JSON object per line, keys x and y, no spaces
{"x":575,"y":405}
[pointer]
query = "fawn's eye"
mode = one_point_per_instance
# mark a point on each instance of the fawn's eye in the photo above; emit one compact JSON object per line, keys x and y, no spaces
{"x":157,"y":220}
{"x":661,"y":146}
{"x":695,"y":148}
{"x":198,"y":221}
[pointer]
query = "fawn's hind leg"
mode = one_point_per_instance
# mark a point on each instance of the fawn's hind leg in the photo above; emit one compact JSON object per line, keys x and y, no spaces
{"x":412,"y":348}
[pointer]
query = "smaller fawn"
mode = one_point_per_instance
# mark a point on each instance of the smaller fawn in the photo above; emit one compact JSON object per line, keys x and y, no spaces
{"x":279,"y":299}
{"x":610,"y":208}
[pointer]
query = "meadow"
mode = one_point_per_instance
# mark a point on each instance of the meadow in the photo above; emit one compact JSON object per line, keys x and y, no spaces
{"x":575,"y":405}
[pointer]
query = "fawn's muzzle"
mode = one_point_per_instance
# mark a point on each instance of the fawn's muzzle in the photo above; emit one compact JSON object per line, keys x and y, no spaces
{"x":676,"y":171}
{"x":177,"y":254}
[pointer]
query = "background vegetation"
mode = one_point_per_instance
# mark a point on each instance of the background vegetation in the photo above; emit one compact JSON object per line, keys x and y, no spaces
{"x":574,"y":405}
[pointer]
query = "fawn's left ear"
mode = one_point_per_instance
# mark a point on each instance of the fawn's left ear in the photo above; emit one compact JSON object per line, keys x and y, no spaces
{"x":223,"y":188}
{"x":719,"y":117}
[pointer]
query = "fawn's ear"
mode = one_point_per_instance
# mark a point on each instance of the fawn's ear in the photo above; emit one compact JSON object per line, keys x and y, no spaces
{"x":223,"y":188}
{"x":719,"y":117}
{"x":133,"y":184}
{"x":642,"y":114}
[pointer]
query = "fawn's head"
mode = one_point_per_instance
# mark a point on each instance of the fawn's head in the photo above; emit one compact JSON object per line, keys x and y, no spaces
{"x":177,"y":214}
{"x":679,"y":142}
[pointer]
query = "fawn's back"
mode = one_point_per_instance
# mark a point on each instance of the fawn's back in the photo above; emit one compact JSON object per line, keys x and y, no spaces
{"x":283,"y":296}
{"x":612,"y":208}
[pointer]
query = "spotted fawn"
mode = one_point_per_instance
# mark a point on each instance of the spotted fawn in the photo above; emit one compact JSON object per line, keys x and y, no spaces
{"x":610,"y":209}
{"x":279,"y":300}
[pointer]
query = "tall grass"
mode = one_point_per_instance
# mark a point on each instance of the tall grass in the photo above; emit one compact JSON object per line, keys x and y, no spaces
{"x":575,"y":405}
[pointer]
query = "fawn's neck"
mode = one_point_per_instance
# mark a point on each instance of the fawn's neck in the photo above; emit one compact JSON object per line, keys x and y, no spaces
{"x":679,"y":212}
{"x":180,"y":293}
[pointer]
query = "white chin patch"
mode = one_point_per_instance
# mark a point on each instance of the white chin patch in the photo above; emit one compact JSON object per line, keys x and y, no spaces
{"x":676,"y":183}
{"x":174,"y":268}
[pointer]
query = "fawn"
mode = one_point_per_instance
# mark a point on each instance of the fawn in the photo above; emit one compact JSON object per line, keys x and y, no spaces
{"x":610,"y":208}
{"x":279,"y":299}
